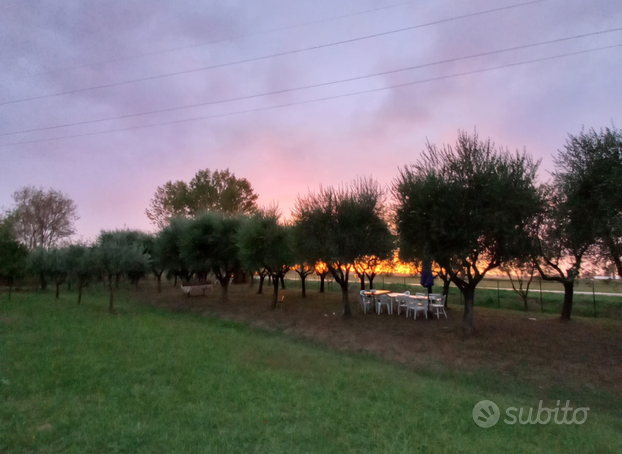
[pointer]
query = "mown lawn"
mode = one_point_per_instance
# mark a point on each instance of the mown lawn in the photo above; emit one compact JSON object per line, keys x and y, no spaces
{"x":77,"y":379}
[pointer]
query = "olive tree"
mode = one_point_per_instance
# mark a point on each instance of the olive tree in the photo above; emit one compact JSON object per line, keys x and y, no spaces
{"x":588,"y":171}
{"x":304,"y":265}
{"x":321,"y":270}
{"x":58,"y":267}
{"x":265,"y":243}
{"x":465,"y":207}
{"x":444,"y":276}
{"x":370,"y":265}
{"x":134,"y":271}
{"x":38,"y":265}
{"x":82,"y":266}
{"x":116,"y":257}
{"x":520,"y":272}
{"x":169,"y":249}
{"x":563,"y":241}
{"x":12,"y":256}
{"x":153,"y":245}
{"x":209,"y":243}
{"x":342,"y":225}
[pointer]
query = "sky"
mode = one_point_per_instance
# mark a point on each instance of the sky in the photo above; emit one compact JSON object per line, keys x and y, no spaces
{"x":49,"y":48}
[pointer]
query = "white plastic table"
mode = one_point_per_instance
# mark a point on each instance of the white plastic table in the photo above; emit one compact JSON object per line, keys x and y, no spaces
{"x":394,"y":296}
{"x":188,"y":288}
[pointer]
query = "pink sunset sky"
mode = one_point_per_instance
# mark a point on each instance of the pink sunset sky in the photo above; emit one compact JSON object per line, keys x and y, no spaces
{"x":56,"y":47}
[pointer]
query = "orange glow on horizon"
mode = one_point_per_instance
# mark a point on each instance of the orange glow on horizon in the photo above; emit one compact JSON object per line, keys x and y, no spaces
{"x":395,"y":267}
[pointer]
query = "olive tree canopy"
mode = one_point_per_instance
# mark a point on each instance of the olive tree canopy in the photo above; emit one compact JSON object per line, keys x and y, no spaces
{"x":265,"y":243}
{"x":589,"y":175}
{"x":342,"y":225}
{"x":209,"y":243}
{"x":117,"y":254}
{"x":12,"y":255}
{"x":466,"y":207}
{"x":564,"y":239}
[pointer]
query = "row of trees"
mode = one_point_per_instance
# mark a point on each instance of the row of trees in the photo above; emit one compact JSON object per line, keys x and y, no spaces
{"x":337,"y":231}
{"x":476,"y":207}
{"x":462,"y":210}
{"x":114,"y":255}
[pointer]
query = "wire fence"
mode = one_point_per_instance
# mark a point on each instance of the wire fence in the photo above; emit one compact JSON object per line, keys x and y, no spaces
{"x":592,"y":298}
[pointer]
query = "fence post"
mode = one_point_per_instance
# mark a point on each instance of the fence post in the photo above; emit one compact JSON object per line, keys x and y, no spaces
{"x":594,"y":295}
{"x":541,"y":304}
{"x":498,"y":300}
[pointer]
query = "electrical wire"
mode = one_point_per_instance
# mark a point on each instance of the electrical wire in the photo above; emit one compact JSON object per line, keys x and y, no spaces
{"x":278,"y":106}
{"x":279,"y":54}
{"x":323,"y":84}
{"x":217,"y":41}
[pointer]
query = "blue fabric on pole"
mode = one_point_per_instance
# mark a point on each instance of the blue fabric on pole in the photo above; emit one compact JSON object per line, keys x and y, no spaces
{"x":427,"y":279}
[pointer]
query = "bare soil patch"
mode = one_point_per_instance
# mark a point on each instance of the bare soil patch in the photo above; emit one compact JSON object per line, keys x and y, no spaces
{"x":584,"y":353}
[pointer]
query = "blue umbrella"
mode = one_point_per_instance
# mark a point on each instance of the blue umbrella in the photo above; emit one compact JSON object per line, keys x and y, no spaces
{"x":427,"y":279}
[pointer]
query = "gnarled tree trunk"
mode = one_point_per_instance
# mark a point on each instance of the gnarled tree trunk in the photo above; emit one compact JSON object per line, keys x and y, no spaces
{"x":371,"y":281}
{"x":224,"y":287}
{"x":275,"y":292}
{"x":347,"y":312}
{"x":446,"y":285}
{"x":568,"y":294}
{"x":322,"y":279}
{"x":469,"y":298}
{"x":111,"y":304}
{"x":262,"y":278}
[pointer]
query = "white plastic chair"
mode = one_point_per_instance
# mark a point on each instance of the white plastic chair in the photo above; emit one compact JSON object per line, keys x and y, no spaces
{"x":421,"y":294}
{"x":382,"y":300}
{"x":402,"y":303}
{"x":437,"y":304}
{"x":364,"y":301}
{"x":417,"y":305}
{"x":407,"y":293}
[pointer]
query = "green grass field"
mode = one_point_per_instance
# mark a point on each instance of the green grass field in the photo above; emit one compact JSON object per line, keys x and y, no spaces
{"x":77,"y":379}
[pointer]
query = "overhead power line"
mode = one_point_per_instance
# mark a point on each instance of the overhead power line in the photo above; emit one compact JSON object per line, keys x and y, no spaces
{"x":216,"y":41}
{"x":326,"y":98}
{"x":318,"y":85}
{"x":279,"y":54}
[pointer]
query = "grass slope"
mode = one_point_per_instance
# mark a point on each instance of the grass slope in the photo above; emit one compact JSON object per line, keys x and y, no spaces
{"x":76,"y":379}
